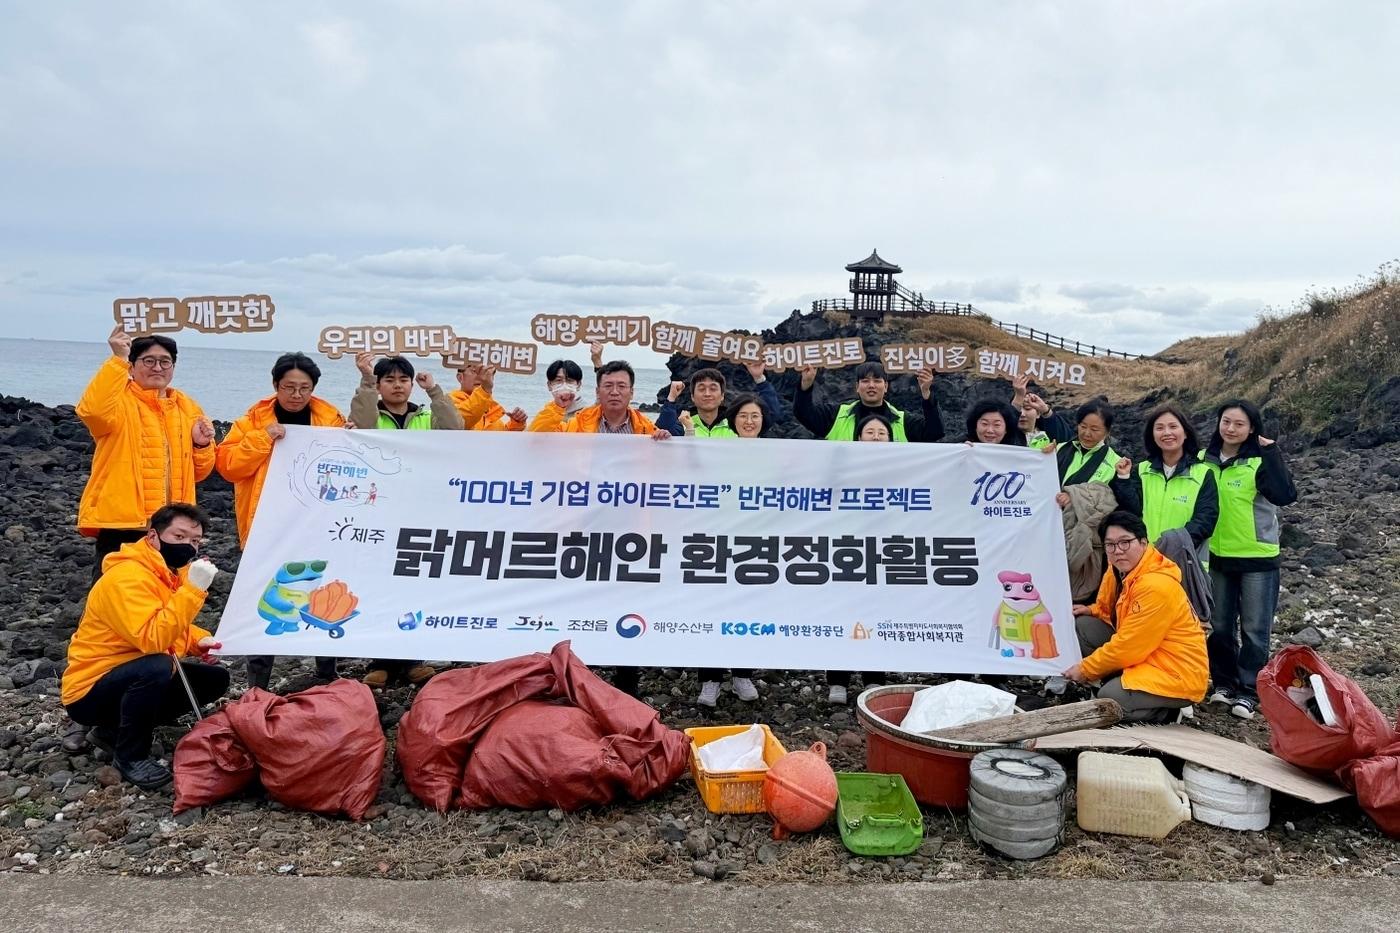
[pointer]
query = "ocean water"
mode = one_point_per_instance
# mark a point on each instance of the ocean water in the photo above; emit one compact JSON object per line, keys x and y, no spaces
{"x":226,"y":381}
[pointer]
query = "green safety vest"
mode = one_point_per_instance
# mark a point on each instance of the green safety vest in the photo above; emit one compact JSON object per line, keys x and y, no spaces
{"x":1248,"y":525}
{"x":1038,"y":441}
{"x":1014,"y":625}
{"x":420,"y":420}
{"x":844,"y":427}
{"x":1168,"y":503}
{"x":1103,"y":473}
{"x":721,"y":428}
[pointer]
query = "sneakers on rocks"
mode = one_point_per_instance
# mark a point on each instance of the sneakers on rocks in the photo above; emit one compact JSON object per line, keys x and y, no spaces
{"x":1243,"y":708}
{"x":836,"y":696}
{"x":709,"y":694}
{"x":147,"y":774}
{"x":744,"y":689}
{"x":1221,"y":698}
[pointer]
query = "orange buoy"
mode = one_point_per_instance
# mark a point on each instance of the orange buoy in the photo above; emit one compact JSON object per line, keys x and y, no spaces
{"x":799,"y":791}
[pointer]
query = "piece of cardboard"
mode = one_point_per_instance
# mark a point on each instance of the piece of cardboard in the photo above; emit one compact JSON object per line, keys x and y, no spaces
{"x":1203,"y":748}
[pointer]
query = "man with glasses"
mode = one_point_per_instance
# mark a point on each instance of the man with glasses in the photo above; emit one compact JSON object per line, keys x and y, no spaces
{"x":153,"y":442}
{"x":1140,"y":638}
{"x":138,"y":625}
{"x":244,"y":454}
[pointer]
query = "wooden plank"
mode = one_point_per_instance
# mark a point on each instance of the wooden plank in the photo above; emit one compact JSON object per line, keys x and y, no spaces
{"x":1004,"y":730}
{"x":1204,"y":748}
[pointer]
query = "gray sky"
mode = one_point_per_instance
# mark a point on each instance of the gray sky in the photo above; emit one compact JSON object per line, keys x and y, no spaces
{"x":1129,"y":173}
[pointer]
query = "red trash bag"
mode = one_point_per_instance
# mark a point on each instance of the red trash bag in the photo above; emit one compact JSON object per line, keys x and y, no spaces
{"x":533,"y":732}
{"x":1296,"y":737}
{"x":1376,"y":783}
{"x":211,"y":764}
{"x":320,"y":750}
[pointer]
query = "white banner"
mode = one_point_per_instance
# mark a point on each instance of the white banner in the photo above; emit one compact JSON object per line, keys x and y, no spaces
{"x":775,"y":554}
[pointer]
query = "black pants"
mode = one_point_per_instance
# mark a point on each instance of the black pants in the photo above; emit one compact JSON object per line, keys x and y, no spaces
{"x":717,"y":673}
{"x":628,"y":680}
{"x":396,"y":669}
{"x":135,"y":697}
{"x":843,"y":678}
{"x":109,"y":541}
{"x":260,"y":669}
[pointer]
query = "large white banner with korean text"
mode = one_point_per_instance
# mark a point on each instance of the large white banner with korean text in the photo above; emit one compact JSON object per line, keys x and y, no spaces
{"x":778,"y":554}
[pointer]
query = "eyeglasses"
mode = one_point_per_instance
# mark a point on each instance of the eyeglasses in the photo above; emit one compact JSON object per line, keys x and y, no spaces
{"x":156,"y":362}
{"x":1122,"y":544}
{"x":296,"y":391}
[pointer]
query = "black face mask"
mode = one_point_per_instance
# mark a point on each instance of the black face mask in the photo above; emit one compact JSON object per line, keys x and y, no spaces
{"x":177,"y":555}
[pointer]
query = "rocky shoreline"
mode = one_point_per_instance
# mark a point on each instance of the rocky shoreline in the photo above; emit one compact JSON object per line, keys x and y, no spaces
{"x":61,"y":813}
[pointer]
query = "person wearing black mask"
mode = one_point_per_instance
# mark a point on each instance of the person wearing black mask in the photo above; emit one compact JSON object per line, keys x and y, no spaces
{"x":138,"y":624}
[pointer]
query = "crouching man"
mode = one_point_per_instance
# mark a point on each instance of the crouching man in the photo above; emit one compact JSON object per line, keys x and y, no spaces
{"x":139,"y":618}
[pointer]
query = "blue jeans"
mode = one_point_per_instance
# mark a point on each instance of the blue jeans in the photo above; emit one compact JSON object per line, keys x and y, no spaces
{"x":1241,"y":622}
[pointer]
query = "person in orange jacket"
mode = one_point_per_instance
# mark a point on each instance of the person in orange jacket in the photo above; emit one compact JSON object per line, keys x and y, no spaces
{"x":479,"y":410}
{"x":137,"y":625}
{"x":1140,"y":638}
{"x":243,"y":456}
{"x":153,"y":442}
{"x":613,"y":414}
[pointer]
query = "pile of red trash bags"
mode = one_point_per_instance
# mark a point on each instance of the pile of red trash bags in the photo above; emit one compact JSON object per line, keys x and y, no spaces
{"x":1362,"y":750}
{"x":532,"y":732}
{"x":320,"y":750}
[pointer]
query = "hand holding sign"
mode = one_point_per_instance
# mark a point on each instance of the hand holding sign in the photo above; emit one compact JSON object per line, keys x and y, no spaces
{"x":120,"y":342}
{"x":925,"y":379}
{"x":364,"y":362}
{"x":809,"y":377}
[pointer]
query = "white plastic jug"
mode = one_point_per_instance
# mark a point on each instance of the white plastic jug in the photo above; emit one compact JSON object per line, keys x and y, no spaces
{"x":1129,"y":796}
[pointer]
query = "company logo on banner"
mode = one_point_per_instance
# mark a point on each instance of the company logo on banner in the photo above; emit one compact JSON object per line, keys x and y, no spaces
{"x":688,"y":552}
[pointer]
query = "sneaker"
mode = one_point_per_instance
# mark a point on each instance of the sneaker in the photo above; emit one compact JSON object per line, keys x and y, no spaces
{"x":1221,"y":698}
{"x":1185,"y":714}
{"x":744,"y":689}
{"x":1243,"y":708}
{"x":74,"y":738}
{"x":709,"y":693}
{"x":836,"y":696}
{"x":376,"y":680}
{"x":419,"y":674}
{"x":147,"y":774}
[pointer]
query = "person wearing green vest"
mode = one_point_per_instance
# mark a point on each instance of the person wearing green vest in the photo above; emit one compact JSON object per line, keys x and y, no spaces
{"x":1087,"y":457}
{"x":1172,"y":488}
{"x":381,"y":401}
{"x":1254,"y":482}
{"x":838,"y":422}
{"x":707,"y":387}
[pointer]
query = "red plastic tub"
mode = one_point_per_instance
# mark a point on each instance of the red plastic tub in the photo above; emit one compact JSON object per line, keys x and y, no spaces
{"x":937,"y":772}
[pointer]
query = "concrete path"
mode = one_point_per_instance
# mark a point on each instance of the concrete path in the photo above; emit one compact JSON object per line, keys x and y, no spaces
{"x":95,"y":903}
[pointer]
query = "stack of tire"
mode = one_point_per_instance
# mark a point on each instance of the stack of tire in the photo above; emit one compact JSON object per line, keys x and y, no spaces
{"x":1016,"y":802}
{"x":1225,"y":801}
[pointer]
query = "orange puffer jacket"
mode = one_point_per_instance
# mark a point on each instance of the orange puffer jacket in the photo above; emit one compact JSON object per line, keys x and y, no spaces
{"x":139,"y":607}
{"x":244,"y":454}
{"x":145,"y":457}
{"x":550,"y":418}
{"x":1157,"y":642}
{"x":480,"y":412}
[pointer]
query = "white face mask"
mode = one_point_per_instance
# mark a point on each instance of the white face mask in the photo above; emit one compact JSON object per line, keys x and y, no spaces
{"x":564,"y":388}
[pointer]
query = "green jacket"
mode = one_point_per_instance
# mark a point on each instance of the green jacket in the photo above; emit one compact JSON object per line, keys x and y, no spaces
{"x":844,"y":427}
{"x":1185,"y":500}
{"x":1252,"y":486}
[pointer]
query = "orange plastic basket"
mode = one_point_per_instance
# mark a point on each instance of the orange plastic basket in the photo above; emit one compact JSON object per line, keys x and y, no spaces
{"x":731,"y":791}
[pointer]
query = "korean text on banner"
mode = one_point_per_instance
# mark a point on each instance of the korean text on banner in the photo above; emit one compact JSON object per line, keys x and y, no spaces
{"x":761,"y":553}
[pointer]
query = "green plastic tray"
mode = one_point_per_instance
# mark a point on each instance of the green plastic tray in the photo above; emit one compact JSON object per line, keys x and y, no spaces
{"x":877,"y":814}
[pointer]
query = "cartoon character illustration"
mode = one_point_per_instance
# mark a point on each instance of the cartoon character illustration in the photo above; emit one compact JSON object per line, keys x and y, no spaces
{"x":286,"y":593}
{"x":1022,"y":619}
{"x":330,"y":607}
